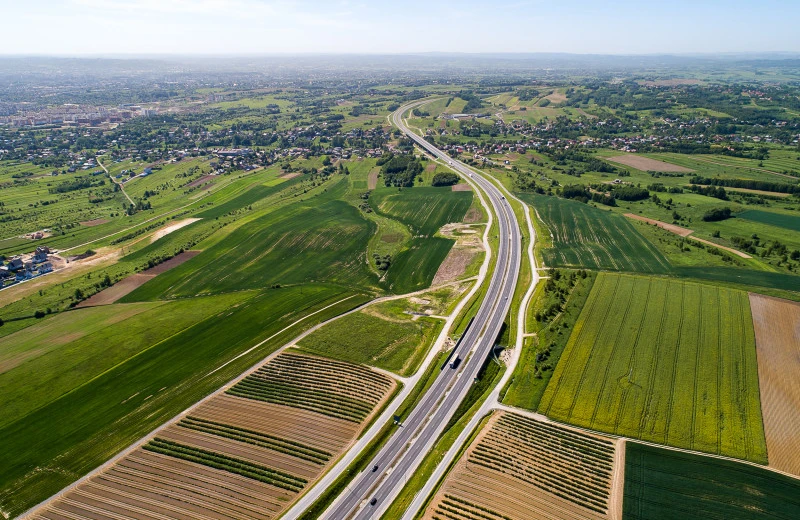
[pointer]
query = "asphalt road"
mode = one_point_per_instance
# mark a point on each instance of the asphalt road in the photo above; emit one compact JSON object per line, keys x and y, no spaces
{"x":407,"y":447}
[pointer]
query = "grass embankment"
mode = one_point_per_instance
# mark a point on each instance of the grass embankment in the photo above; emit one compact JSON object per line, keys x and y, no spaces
{"x":555,"y":308}
{"x":663,"y":360}
{"x":72,"y":434}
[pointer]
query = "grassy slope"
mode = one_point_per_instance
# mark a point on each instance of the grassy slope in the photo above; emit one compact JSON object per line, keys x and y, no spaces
{"x":662,"y":483}
{"x":666,"y":361}
{"x":320,"y":240}
{"x":60,"y":442}
{"x":66,"y":351}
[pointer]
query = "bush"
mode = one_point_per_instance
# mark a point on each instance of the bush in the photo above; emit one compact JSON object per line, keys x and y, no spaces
{"x":717,"y":214}
{"x":445,"y":179}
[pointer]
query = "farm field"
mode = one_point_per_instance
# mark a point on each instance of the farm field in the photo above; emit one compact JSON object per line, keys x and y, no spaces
{"x":667,"y":361}
{"x":771,"y":218}
{"x":662,"y":483}
{"x":241,"y":454}
{"x":424,"y":210}
{"x":519,"y":468}
{"x":380,"y":335}
{"x":777,"y":329}
{"x":79,"y":430}
{"x":324,"y":240}
{"x":584,"y":236}
{"x":643,"y":163}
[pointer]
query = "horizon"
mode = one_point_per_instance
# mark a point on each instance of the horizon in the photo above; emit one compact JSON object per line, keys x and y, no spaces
{"x":265,"y":27}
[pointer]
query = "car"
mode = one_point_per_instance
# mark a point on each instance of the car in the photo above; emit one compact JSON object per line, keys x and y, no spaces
{"x":373,"y":501}
{"x":374,"y":468}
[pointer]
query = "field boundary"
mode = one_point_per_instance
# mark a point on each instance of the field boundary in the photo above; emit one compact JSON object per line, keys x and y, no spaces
{"x":685,"y":233}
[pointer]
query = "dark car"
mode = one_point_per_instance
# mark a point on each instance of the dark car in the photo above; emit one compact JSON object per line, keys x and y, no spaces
{"x":373,"y":501}
{"x":374,"y":468}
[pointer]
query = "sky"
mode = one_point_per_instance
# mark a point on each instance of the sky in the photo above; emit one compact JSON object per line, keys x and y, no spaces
{"x":107,"y":27}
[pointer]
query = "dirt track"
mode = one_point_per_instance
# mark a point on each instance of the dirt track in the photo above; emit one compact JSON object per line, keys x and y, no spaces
{"x":777,"y":328}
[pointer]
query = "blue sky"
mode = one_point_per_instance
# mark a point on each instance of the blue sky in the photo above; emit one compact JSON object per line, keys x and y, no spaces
{"x":338,"y":26}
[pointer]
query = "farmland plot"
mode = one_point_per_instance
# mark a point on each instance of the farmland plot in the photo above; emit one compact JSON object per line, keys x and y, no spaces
{"x":584,"y":236}
{"x":777,"y":326}
{"x":234,"y":456}
{"x":519,"y":468}
{"x":666,"y":361}
{"x":662,"y":483}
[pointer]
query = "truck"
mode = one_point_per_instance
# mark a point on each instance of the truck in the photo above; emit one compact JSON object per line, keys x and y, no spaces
{"x":456,"y":361}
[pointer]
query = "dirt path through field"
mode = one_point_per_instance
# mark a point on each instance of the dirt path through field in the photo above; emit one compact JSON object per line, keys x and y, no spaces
{"x":617,"y":481}
{"x":686,"y":233}
{"x":777,"y":328}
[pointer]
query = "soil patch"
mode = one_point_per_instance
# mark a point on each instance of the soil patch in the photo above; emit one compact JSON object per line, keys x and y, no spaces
{"x":646,"y":164}
{"x":777,"y":328}
{"x":291,"y":175}
{"x":430,"y":168}
{"x":175,"y":261}
{"x":129,"y":284}
{"x":117,"y":291}
{"x":454,"y":265}
{"x":94,"y":222}
{"x":166,"y":230}
{"x":372,"y":179}
{"x":202,"y":180}
{"x":462,"y":187}
{"x":758,"y":192}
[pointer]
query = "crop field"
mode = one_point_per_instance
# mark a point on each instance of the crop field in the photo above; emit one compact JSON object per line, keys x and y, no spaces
{"x":324,"y":241}
{"x":749,"y":277}
{"x":321,"y":385}
{"x":773,"y":219}
{"x":520,"y":468}
{"x":424,"y":211}
{"x":584,"y":236}
{"x":666,"y":361}
{"x":84,"y":426}
{"x":235,"y":456}
{"x":376,"y":337}
{"x":777,"y":328}
{"x":663,"y":483}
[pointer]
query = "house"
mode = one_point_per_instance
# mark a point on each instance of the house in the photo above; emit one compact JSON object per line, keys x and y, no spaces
{"x":15,"y":265}
{"x":46,"y":267}
{"x":41,"y":254}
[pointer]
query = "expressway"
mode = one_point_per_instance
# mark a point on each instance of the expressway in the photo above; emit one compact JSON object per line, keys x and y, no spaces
{"x":373,"y":490}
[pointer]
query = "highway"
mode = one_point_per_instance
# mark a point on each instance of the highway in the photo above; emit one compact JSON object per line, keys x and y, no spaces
{"x":373,"y":490}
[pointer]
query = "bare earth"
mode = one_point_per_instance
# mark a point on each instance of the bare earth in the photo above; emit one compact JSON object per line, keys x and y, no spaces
{"x":94,"y":222}
{"x":169,"y":228}
{"x":777,"y":328}
{"x":202,"y":180}
{"x":685,"y":232}
{"x":372,"y":179}
{"x":129,"y":284}
{"x":462,"y":187}
{"x":646,"y":164}
{"x":291,"y":175}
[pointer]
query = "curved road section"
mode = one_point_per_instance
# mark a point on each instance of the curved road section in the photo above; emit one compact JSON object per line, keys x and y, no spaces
{"x":374,"y":489}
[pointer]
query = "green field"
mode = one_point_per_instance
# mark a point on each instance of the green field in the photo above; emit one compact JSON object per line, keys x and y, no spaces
{"x":378,"y":336}
{"x":584,"y":236}
{"x":61,"y":441}
{"x":666,"y":361}
{"x":74,"y":347}
{"x":323,"y":240}
{"x":424,"y":210}
{"x":668,"y":484}
{"x":773,"y":219}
